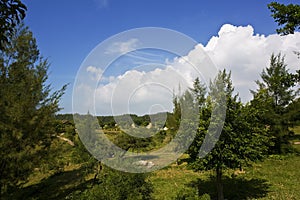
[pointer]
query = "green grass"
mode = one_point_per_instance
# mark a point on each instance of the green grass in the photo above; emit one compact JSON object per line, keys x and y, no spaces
{"x":282,"y":174}
{"x":167,"y":182}
{"x":52,"y":186}
{"x":274,"y":178}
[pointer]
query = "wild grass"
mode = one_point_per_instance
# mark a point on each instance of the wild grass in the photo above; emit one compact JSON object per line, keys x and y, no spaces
{"x":275,"y":178}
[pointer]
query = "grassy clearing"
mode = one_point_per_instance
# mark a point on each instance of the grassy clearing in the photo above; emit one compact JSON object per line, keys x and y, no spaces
{"x":169,"y":181}
{"x":283,"y":175}
{"x":275,"y":178}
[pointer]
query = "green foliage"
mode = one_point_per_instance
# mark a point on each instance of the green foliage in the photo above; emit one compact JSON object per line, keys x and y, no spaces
{"x":279,"y":82}
{"x":115,"y":185}
{"x":293,"y":113}
{"x":12,"y":12}
{"x":128,"y":142}
{"x":27,"y":108}
{"x":64,"y":149}
{"x":287,"y":16}
{"x":89,"y":151}
{"x":187,"y":123}
{"x":240,"y":141}
{"x":275,"y":104}
{"x":199,"y":92}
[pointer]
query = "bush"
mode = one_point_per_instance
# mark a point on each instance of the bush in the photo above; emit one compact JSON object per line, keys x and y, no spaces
{"x":115,"y":185}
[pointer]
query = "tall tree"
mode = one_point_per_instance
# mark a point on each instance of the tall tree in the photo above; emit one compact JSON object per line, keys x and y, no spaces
{"x":12,"y":12}
{"x":239,"y":143}
{"x":27,"y":107}
{"x":287,"y":16}
{"x":273,"y":98}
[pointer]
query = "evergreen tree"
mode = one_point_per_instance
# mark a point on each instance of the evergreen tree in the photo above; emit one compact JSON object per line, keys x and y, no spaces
{"x":27,"y":107}
{"x":239,"y":143}
{"x":273,"y":97}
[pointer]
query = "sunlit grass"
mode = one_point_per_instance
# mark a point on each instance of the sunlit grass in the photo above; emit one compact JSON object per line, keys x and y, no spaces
{"x":277,"y":177}
{"x":274,"y":178}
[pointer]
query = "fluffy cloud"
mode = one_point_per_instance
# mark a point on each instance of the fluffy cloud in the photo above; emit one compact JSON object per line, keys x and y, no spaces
{"x":138,"y":91}
{"x":236,"y":49}
{"x":246,"y":54}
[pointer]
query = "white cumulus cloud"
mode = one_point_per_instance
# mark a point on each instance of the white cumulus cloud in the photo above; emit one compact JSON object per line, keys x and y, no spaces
{"x":235,"y":48}
{"x":246,"y":54}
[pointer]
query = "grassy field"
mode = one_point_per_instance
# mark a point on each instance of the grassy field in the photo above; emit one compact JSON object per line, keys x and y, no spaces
{"x":277,"y":177}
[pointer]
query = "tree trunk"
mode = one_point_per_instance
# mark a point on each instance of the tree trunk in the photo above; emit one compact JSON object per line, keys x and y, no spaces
{"x":219,"y":184}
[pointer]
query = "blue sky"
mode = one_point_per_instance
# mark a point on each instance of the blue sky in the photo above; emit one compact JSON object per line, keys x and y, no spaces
{"x":67,"y":30}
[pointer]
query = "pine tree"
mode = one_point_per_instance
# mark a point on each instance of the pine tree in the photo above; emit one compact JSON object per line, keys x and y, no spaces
{"x":27,"y":108}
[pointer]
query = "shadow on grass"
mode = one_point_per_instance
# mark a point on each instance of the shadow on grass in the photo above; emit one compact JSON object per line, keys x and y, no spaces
{"x":57,"y":186}
{"x":234,"y":188}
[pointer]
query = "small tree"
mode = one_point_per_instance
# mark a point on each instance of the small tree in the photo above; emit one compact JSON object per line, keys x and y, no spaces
{"x":239,"y":142}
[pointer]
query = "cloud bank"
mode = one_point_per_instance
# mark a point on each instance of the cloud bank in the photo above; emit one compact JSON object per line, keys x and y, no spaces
{"x":235,"y":48}
{"x":246,"y":54}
